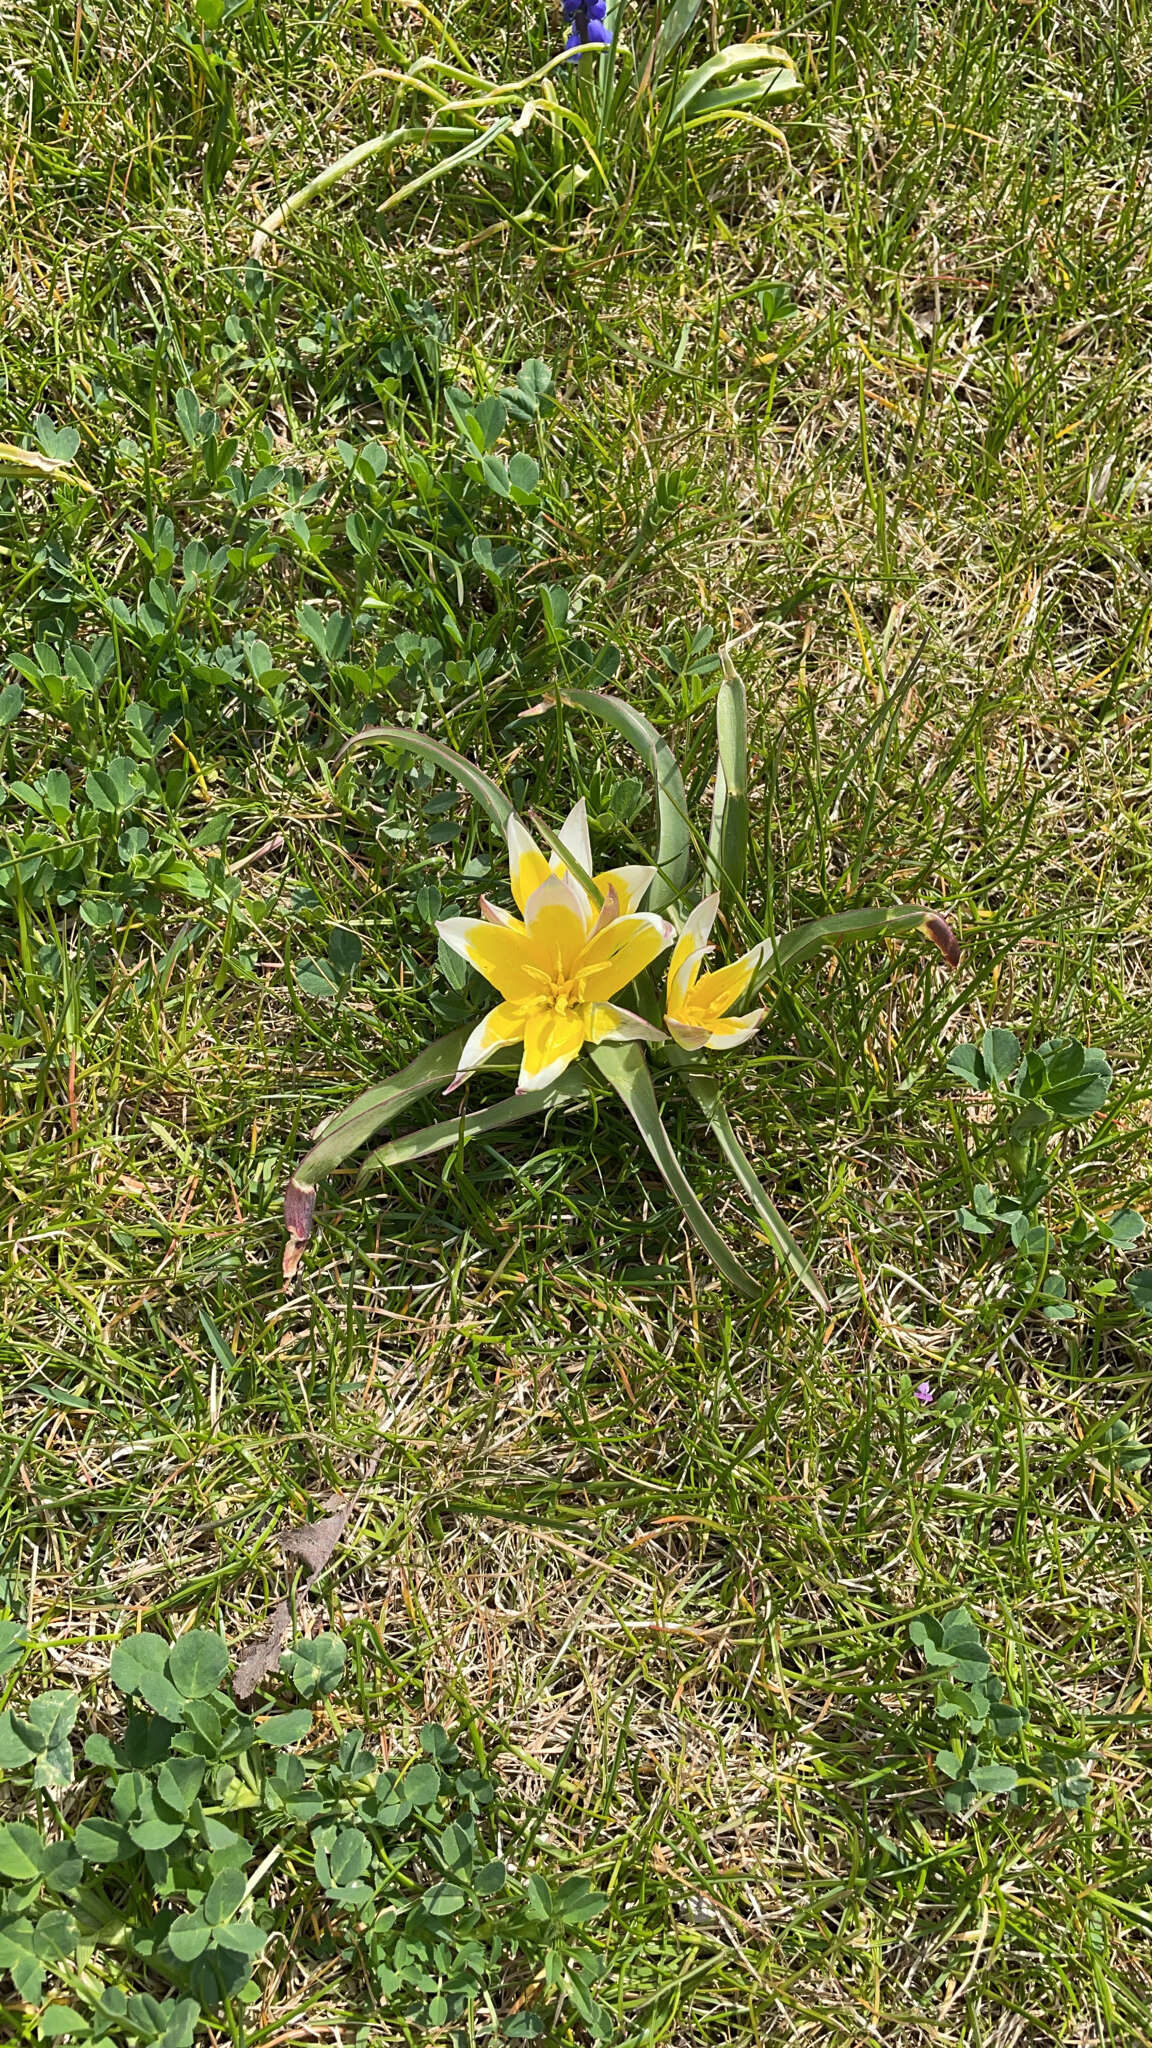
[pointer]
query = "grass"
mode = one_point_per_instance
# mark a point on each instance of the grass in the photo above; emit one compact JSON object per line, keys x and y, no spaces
{"x":659,"y":1551}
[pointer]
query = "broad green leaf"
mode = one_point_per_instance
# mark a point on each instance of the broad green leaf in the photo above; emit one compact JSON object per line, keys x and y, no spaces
{"x":679,"y":19}
{"x":279,"y":1730}
{"x":965,"y":1064}
{"x":1000,"y":1053}
{"x":523,"y":476}
{"x":102,"y":1841}
{"x":224,"y":1897}
{"x":18,"y":1953}
{"x":52,"y":1717}
{"x":138,"y":1666}
{"x":179,"y":1780}
{"x":197,"y":1662}
{"x":674,"y":843}
{"x":570,"y":1087}
{"x":242,"y":1937}
{"x":316,"y":1665}
{"x":21,"y":1850}
{"x":344,"y":1133}
{"x":188,"y":1937}
{"x":704,"y":1090}
{"x":470,"y":778}
{"x":56,"y":2021}
{"x":778,"y":79}
{"x":443,"y":1899}
{"x":1077,"y":1081}
{"x":1139,"y":1286}
{"x":625,"y":1068}
{"x":992,"y":1779}
{"x":779,"y":956}
{"x":728,"y":839}
{"x":151,"y":1832}
{"x":60,"y":444}
{"x":349,"y":1856}
{"x":421,"y":1785}
{"x":16,"y":1748}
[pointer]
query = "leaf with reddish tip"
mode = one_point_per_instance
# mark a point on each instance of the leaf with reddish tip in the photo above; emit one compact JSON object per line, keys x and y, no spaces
{"x":350,"y":1128}
{"x":777,"y":956}
{"x":299,"y":1209}
{"x":941,"y":934}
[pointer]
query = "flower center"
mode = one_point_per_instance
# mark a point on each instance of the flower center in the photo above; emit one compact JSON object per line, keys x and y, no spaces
{"x":566,"y":992}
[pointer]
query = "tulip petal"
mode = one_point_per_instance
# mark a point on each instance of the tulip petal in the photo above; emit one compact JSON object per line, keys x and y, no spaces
{"x":609,"y":911}
{"x":574,"y":838}
{"x":502,"y":1026}
{"x":608,"y":1021}
{"x":504,"y":954}
{"x":727,"y":1032}
{"x":621,"y":951}
{"x":557,"y":921}
{"x":527,"y":866}
{"x":551,"y":1043}
{"x":690,"y":1036}
{"x":631,"y":886}
{"x":699,"y":921}
{"x":683,"y":968}
{"x":717,"y":992}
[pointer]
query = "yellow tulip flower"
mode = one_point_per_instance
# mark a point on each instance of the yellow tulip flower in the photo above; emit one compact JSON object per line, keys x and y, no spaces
{"x":697,"y":1004}
{"x":558,"y":970}
{"x":529,"y":867}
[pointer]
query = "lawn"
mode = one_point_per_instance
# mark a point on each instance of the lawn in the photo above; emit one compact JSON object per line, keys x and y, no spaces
{"x":852,"y":393}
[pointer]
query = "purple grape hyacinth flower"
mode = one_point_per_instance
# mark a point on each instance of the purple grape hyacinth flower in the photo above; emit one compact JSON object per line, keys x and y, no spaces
{"x":587,"y":24}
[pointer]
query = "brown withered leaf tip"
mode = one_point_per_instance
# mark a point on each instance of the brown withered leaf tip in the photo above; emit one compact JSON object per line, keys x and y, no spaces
{"x":942,"y":936}
{"x":263,"y":1659}
{"x":299,"y":1209}
{"x":313,"y":1544}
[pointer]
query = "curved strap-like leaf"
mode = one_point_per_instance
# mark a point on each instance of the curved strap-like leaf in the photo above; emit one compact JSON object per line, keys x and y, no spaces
{"x":625,"y":1068}
{"x":704,"y":1090}
{"x":350,"y":1128}
{"x":469,"y":777}
{"x":728,"y":839}
{"x":675,"y":840}
{"x":777,"y":79}
{"x":570,"y":1087}
{"x":777,"y":956}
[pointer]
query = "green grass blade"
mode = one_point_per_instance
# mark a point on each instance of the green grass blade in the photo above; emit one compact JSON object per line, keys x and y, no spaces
{"x":778,"y":956}
{"x":472,"y":779}
{"x":703,"y":1089}
{"x":625,"y":1068}
{"x":674,"y":845}
{"x":728,"y":839}
{"x":458,"y":1129}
